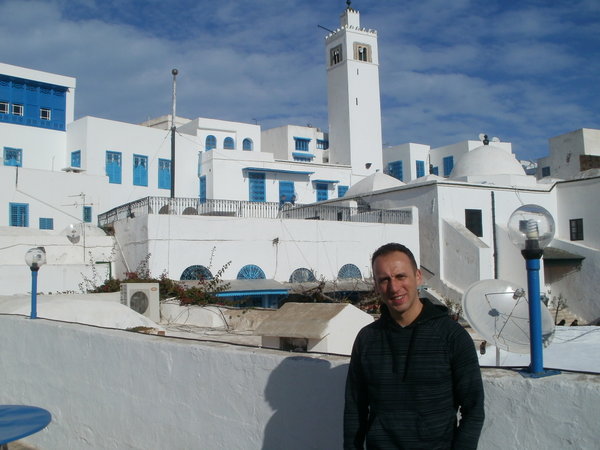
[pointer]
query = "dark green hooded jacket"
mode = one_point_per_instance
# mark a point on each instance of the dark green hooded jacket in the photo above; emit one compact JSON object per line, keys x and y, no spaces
{"x":405,"y":385}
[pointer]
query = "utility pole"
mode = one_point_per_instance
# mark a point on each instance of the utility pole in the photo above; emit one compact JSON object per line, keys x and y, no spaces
{"x":174,"y":72}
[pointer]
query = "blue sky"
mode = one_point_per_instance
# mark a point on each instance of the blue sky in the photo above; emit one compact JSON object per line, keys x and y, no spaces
{"x":522,"y":71}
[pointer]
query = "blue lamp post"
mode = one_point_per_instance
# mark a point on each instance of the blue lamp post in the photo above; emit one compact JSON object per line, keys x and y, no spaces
{"x":35,"y":258}
{"x":531,"y":228}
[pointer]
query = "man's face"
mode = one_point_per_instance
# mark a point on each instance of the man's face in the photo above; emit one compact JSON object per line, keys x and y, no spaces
{"x":396,"y":281}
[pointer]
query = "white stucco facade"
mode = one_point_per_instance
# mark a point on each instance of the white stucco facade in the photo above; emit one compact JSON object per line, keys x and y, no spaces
{"x":570,"y":154}
{"x":158,"y":392}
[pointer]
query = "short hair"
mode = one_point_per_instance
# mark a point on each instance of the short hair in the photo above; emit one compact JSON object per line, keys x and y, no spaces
{"x":394,"y":247}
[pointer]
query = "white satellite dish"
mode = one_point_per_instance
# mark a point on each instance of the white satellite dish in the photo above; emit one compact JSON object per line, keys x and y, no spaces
{"x":498,"y":310}
{"x":73,"y":234}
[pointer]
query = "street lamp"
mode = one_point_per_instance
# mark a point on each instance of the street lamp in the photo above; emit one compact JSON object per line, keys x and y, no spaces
{"x":531,"y":228}
{"x":35,"y":258}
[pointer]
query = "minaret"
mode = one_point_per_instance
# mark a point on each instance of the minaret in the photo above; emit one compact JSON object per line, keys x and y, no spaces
{"x":353,"y":96}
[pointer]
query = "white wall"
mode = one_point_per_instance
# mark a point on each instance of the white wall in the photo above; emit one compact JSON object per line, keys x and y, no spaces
{"x":114,"y":389}
{"x":41,"y":149}
{"x":278,"y":247}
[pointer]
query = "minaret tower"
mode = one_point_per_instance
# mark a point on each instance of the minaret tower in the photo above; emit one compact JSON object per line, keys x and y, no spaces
{"x":353,"y":96}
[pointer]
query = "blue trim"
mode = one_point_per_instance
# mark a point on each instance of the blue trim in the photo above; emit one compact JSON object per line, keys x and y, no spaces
{"x":252,"y":293}
{"x":303,"y":155}
{"x":261,"y":169}
{"x":326,"y":181}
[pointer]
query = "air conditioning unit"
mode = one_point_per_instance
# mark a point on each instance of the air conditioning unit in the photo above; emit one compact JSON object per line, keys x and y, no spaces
{"x":143,"y":298}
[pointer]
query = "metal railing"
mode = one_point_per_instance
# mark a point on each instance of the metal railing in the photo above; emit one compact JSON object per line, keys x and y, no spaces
{"x":257,"y":210}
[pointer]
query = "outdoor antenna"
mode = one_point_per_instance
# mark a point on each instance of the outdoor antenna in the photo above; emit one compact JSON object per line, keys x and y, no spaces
{"x":498,"y":311}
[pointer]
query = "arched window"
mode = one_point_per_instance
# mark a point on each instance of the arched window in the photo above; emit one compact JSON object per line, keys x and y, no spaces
{"x":211,"y":142}
{"x":196,"y":273}
{"x":228,"y":144}
{"x":251,"y":272}
{"x":247,"y":144}
{"x":302,"y":275}
{"x":349,"y":271}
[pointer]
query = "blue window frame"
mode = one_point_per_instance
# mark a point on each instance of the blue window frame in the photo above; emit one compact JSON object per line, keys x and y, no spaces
{"x":322,"y":144}
{"x":247,"y":145}
{"x":202,"y":194}
{"x":349,"y":271}
{"x":211,"y":142}
{"x":286,"y":192}
{"x":76,"y":158}
{"x":46,"y":223}
{"x":164,"y":173}
{"x":229,"y":144}
{"x":302,"y":275}
{"x":31,"y":103}
{"x":18,"y":214}
{"x":395,"y":170}
{"x":435,"y":170}
{"x":448,"y":165}
{"x":322,"y":191}
{"x":545,"y":171}
{"x":301,"y":144}
{"x":420,"y":169}
{"x":196,"y":273}
{"x":140,"y":170}
{"x":87,"y":214}
{"x":13,"y":156}
{"x":251,"y":272}
{"x":308,"y":157}
{"x":256,"y":186}
{"x":342,"y":190}
{"x":113,"y":167}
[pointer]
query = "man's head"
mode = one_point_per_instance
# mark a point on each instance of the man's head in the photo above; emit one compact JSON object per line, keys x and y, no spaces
{"x":397,"y":279}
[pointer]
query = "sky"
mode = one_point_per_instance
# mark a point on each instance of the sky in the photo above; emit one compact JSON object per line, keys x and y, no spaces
{"x":523,"y":71}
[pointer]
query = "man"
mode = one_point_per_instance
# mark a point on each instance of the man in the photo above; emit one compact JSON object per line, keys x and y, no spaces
{"x":411,"y":369}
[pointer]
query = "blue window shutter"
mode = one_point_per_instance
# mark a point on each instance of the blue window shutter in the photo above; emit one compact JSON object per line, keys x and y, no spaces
{"x":435,"y":170}
{"x":228,"y":144}
{"x":395,"y":170}
{"x":87,"y":214}
{"x":448,"y":165}
{"x":247,"y":144}
{"x":286,"y":192}
{"x":113,"y":167}
{"x":13,"y":157}
{"x":342,"y":191}
{"x":46,"y":223}
{"x":19,"y":214}
{"x":211,"y":143}
{"x":140,"y":170}
{"x":203,"y":189}
{"x":76,"y":158}
{"x":164,"y":173}
{"x":420,"y":169}
{"x":257,"y":187}
{"x":322,"y":192}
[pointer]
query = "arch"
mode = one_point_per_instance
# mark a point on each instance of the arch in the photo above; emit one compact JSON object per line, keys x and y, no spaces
{"x":190,"y":211}
{"x":247,"y":145}
{"x":211,"y":142}
{"x":196,"y":273}
{"x":251,"y":272}
{"x":229,"y":144}
{"x":164,"y":209}
{"x":302,"y":275}
{"x":349,"y":271}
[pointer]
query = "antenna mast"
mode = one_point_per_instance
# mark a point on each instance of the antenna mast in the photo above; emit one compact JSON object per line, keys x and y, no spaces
{"x":173,"y":128}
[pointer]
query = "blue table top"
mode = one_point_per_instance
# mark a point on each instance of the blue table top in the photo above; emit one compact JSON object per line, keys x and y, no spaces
{"x":19,"y":421}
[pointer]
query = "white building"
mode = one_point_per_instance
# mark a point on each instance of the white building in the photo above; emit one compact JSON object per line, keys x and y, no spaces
{"x":247,"y":195}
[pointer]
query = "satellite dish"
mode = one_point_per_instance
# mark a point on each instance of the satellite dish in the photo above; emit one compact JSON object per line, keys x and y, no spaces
{"x":495,"y":139}
{"x":481,"y":136}
{"x":499,"y":311}
{"x":73,"y":234}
